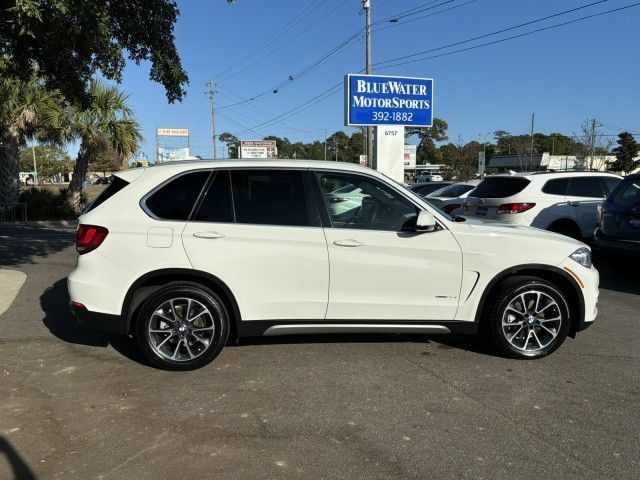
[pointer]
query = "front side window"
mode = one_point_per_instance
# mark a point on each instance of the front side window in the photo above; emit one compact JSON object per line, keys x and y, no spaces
{"x":175,"y":199}
{"x":270,"y":197}
{"x":357,"y":201}
{"x":589,"y":187}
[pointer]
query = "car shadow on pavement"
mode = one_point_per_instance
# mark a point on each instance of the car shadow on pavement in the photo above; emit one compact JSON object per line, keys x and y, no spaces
{"x":19,"y":467}
{"x":620,"y":280}
{"x":61,"y":323}
{"x":21,"y":244}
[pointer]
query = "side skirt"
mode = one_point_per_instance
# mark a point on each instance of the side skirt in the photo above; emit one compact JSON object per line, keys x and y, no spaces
{"x":269,"y":328}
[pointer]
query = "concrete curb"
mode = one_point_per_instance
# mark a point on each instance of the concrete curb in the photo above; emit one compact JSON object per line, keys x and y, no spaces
{"x":53,"y":223}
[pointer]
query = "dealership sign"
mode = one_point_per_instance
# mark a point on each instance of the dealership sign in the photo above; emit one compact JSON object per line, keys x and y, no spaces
{"x":385,"y":100}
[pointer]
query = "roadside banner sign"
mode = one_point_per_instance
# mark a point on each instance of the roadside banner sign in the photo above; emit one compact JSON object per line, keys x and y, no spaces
{"x":363,"y":160}
{"x":172,"y":132}
{"x":481,"y":163}
{"x":410,"y":156}
{"x":387,"y":100}
{"x":173,"y":154}
{"x":258,"y":149}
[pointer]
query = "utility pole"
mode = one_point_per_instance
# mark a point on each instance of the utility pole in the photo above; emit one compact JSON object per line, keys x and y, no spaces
{"x":366,"y":4}
{"x":211,"y":93}
{"x":533,"y":116}
{"x":593,"y":143}
{"x":35,"y":167}
{"x":325,"y":144}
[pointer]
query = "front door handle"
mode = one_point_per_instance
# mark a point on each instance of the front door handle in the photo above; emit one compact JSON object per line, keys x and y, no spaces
{"x":574,"y":204}
{"x":348,"y":243}
{"x":209,"y":235}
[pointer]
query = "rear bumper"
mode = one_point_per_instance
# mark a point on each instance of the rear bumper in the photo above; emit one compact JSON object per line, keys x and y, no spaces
{"x":615,"y":245}
{"x":99,"y":321}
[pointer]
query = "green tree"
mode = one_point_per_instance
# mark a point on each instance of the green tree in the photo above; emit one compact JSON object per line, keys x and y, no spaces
{"x":427,"y":151}
{"x":338,"y":147}
{"x":50,"y":160}
{"x":26,"y":111}
{"x":66,"y":42}
{"x":232,"y":142}
{"x":626,"y":154}
{"x":107,"y":122}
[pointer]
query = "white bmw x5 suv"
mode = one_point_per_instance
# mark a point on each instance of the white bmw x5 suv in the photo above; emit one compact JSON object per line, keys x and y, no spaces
{"x":187,"y":255}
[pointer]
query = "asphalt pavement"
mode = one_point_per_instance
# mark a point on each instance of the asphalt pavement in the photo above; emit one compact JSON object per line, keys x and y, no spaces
{"x":80,"y":404}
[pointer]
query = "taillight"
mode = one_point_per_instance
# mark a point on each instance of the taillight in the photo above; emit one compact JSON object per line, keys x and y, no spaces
{"x":89,"y":237}
{"x":451,"y":207}
{"x":515,"y":207}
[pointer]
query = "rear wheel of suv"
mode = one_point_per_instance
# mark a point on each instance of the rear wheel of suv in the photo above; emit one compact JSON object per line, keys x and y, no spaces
{"x":530,"y":318}
{"x":182,"y":326}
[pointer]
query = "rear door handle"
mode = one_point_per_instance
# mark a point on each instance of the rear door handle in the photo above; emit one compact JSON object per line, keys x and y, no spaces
{"x":348,"y":243}
{"x":209,"y":235}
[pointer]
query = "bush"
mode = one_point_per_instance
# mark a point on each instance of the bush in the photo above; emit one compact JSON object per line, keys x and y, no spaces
{"x":45,"y":204}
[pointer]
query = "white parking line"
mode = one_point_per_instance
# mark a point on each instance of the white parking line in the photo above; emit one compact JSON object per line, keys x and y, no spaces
{"x":10,"y":283}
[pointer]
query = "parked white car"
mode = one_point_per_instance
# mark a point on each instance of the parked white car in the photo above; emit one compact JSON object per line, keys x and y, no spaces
{"x":429,"y":177}
{"x":450,"y":199}
{"x":562,"y":202}
{"x":186,"y":255}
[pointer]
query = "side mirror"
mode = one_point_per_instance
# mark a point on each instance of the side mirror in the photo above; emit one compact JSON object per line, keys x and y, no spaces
{"x":426,"y":222}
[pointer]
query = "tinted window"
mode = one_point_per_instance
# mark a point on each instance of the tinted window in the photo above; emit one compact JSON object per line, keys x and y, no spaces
{"x":609,"y":184}
{"x":557,"y":186}
{"x":175,"y":200}
{"x":216,"y":204}
{"x":114,"y":187}
{"x":585,"y":187}
{"x":427,"y":188}
{"x":452,"y":191}
{"x":375,"y":207}
{"x":628,"y":194}
{"x":270,"y":197}
{"x":499,"y":187}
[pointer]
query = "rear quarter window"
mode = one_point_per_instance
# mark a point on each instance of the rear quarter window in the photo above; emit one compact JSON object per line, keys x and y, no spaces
{"x":175,"y":199}
{"x":556,"y":186}
{"x":114,"y":187}
{"x":499,"y":187}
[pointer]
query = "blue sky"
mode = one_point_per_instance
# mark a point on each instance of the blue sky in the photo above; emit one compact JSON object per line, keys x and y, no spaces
{"x":565,"y":75}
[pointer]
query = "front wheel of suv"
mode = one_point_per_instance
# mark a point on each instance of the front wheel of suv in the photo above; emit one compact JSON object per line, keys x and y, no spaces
{"x":530,"y":318}
{"x":182,"y":326}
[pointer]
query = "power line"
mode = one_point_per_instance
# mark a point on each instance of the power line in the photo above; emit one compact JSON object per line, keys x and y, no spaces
{"x":396,"y":24}
{"x":278,"y":33}
{"x":491,"y":34}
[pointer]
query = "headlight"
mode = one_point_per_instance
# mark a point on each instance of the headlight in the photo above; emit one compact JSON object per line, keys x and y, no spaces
{"x":582,"y":256}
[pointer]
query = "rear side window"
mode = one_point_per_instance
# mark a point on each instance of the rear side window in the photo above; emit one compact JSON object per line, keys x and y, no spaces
{"x":500,"y":187}
{"x":270,"y":197}
{"x":557,"y":186}
{"x":628,"y":193}
{"x":216,"y":204}
{"x":175,"y":200}
{"x":114,"y":187}
{"x":585,"y":187}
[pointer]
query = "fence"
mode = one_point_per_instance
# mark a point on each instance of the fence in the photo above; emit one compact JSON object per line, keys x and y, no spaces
{"x":13,"y":212}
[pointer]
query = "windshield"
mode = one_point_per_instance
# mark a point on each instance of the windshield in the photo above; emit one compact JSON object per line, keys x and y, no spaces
{"x":499,"y":187}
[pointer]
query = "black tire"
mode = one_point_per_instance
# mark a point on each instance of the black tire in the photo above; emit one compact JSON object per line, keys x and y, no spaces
{"x":566,"y":228}
{"x":509,"y":291}
{"x":217,"y":316}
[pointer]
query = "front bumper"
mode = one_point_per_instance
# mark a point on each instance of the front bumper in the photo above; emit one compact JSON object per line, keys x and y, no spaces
{"x":99,"y":321}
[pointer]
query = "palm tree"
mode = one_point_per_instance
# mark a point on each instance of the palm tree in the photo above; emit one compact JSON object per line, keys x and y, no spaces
{"x":26,"y":111}
{"x":106,"y":123}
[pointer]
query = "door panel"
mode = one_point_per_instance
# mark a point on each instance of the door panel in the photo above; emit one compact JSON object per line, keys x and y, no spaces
{"x":393,"y":275}
{"x":275,"y":272}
